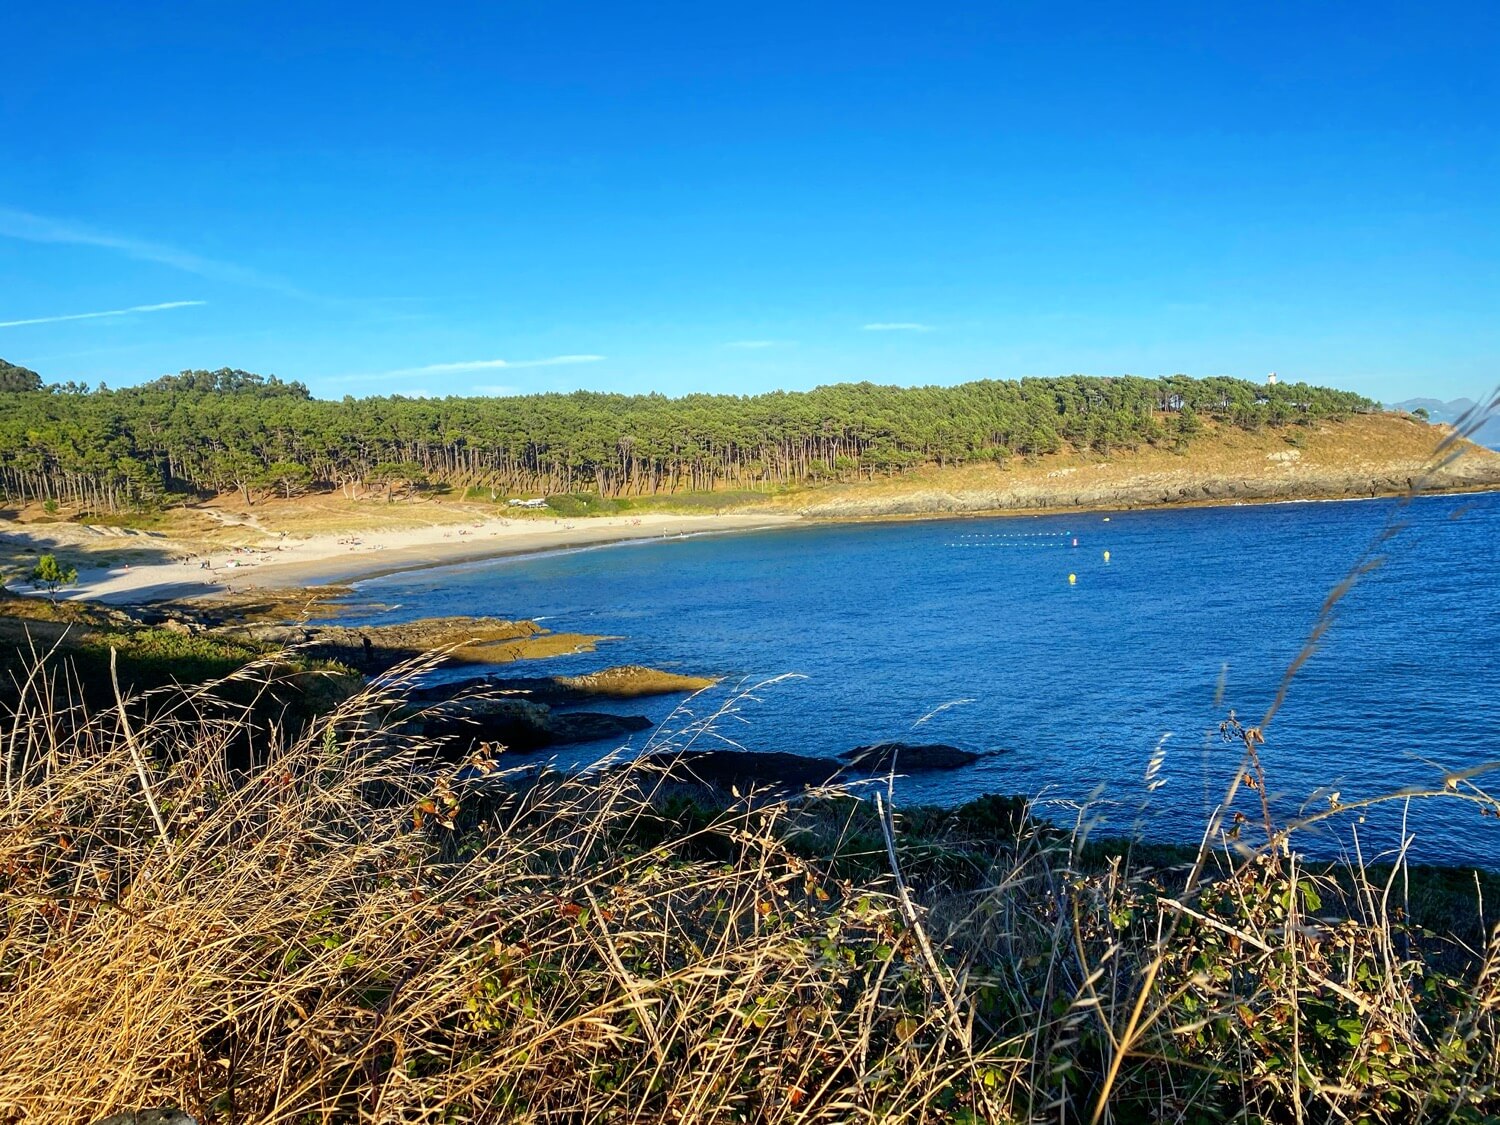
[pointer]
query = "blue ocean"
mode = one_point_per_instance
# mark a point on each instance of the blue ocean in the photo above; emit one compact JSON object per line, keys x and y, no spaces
{"x":1101,"y":695}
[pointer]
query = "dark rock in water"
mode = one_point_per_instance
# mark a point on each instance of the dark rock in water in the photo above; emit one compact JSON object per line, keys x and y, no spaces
{"x":520,"y":724}
{"x":492,"y":719}
{"x":720,"y":769}
{"x":907,"y":757}
{"x":591,"y":726}
{"x":475,"y":687}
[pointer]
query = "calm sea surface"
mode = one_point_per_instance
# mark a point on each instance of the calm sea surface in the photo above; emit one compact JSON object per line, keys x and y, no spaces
{"x":968,"y":632}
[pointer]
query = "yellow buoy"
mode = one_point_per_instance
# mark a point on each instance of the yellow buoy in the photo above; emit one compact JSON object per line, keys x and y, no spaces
{"x":1072,"y":580}
{"x":1106,"y":556}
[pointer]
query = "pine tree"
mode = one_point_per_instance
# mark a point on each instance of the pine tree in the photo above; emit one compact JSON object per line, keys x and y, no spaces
{"x":50,"y":573}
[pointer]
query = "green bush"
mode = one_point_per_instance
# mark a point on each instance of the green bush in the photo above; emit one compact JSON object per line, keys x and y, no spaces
{"x":52,"y":574}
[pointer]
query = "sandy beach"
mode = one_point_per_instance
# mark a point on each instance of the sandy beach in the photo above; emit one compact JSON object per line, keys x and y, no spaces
{"x":221,"y":547}
{"x":164,"y":569}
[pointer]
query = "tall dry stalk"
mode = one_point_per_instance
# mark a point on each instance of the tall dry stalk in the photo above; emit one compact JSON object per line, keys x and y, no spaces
{"x":352,"y":931}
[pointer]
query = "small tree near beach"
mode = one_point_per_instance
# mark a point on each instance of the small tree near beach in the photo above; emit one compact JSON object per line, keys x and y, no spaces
{"x":50,"y":573}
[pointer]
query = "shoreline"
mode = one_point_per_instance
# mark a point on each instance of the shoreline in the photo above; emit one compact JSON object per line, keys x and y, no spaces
{"x":330,"y":559}
{"x":327,"y":560}
{"x":1121,"y":507}
{"x":332,"y":571}
{"x":223,"y":547}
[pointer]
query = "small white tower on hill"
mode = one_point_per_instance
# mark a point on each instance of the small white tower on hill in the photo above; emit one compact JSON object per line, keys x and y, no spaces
{"x":1271,"y":379}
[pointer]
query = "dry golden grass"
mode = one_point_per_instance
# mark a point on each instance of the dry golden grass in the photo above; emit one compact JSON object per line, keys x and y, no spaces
{"x":352,"y":931}
{"x":348,"y":934}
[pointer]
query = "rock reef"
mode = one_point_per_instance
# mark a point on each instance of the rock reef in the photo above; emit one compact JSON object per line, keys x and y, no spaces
{"x":519,"y":724}
{"x":881,"y":757}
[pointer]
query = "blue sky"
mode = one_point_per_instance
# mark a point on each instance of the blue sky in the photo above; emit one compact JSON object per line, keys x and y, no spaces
{"x":487,"y":198}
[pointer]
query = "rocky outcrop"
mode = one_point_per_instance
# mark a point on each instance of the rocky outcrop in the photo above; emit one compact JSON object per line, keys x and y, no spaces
{"x":908,"y":757}
{"x":747,"y":769}
{"x":519,"y":724}
{"x":593,"y":726}
{"x":372,"y":649}
{"x":522,"y":713}
{"x":629,"y":681}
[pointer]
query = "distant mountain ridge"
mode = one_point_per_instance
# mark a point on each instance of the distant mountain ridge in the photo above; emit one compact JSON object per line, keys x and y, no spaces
{"x":1450,"y":412}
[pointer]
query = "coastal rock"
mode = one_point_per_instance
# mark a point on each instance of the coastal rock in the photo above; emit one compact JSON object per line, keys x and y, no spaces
{"x":745,"y":769}
{"x":149,"y":1117}
{"x":908,"y":757}
{"x":521,"y":724}
{"x":628,"y":681}
{"x":594,"y":726}
{"x":377,"y":648}
{"x":631,"y":681}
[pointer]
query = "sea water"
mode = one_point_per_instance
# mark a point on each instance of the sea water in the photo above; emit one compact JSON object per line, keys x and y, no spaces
{"x":1102,"y":697}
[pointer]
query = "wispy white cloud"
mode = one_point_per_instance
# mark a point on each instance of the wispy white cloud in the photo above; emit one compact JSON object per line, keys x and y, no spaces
{"x":897,"y":326}
{"x":498,"y":389}
{"x":757,"y":343}
{"x":29,"y":227}
{"x":475,"y":365}
{"x":108,"y":312}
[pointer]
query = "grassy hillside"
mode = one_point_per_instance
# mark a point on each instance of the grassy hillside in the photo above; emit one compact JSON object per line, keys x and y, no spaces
{"x":1374,"y":454}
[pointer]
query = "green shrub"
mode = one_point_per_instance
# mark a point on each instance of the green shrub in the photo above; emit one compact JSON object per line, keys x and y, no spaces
{"x":52,"y":574}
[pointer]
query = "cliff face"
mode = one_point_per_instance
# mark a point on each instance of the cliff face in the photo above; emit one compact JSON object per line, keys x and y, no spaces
{"x":1365,"y":456}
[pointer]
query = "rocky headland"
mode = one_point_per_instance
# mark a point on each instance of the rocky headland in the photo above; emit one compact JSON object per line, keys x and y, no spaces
{"x":1365,"y":456}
